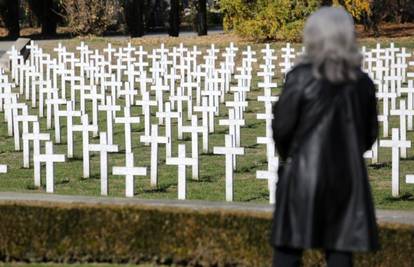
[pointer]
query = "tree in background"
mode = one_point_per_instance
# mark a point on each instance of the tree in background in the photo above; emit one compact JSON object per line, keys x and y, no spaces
{"x":202,"y":17}
{"x":46,"y":12}
{"x":134,"y":17}
{"x":9,"y":12}
{"x":174,"y":18}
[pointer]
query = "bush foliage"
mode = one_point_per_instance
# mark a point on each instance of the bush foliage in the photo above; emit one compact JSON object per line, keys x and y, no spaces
{"x":86,"y":17}
{"x":284,"y":19}
{"x":39,"y":232}
{"x":267,"y":19}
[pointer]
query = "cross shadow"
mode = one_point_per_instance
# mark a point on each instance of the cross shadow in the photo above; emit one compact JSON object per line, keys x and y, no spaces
{"x":404,"y":197}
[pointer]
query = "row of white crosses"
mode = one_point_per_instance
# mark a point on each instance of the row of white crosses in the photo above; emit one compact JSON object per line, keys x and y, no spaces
{"x":389,"y":68}
{"x":120,"y":80}
{"x":38,"y":80}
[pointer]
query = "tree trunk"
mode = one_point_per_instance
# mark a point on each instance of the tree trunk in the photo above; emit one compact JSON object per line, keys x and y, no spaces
{"x":45,"y":11}
{"x":202,"y":17}
{"x":10,"y":14}
{"x":174,"y":18}
{"x":326,"y":3}
{"x":134,"y":17}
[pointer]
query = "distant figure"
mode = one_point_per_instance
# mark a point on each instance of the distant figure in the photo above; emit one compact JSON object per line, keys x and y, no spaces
{"x":324,"y":121}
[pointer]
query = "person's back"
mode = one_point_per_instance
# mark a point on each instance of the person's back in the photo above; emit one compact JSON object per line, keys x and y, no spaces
{"x":323,"y":122}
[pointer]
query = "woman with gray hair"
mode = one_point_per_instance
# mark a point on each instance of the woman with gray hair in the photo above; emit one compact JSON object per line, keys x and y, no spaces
{"x":324,"y":121}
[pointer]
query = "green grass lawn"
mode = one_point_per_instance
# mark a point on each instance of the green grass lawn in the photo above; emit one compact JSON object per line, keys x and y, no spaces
{"x":210,"y":186}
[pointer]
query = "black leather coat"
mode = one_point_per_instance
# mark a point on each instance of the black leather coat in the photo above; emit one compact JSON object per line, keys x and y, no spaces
{"x":321,"y":131}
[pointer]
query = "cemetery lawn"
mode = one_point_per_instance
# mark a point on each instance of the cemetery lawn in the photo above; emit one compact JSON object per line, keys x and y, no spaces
{"x":210,"y":186}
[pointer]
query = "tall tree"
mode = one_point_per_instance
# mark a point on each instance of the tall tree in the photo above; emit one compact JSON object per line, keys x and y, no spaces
{"x":46,"y":13}
{"x":174,"y":18}
{"x":202,"y":17}
{"x":9,"y":11}
{"x":134,"y":16}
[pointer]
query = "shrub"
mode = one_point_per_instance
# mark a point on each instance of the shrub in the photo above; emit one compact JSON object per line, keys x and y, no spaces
{"x":267,"y":19}
{"x":116,"y":233}
{"x":86,"y":17}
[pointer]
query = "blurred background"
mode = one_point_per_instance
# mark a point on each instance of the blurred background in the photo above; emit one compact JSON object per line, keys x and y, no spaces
{"x":255,"y":19}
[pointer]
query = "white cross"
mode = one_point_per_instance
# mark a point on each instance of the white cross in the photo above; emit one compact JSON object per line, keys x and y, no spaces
{"x":36,"y":137}
{"x":402,"y":113}
{"x":207,"y":113}
{"x":234,"y":125}
{"x":56,"y":102}
{"x":111,"y":110}
{"x":50,"y":158}
{"x":69,"y":113}
{"x":103,"y":148}
{"x":146,"y":104}
{"x":3,"y":168}
{"x":395,"y":144}
{"x":25,"y":119}
{"x":194,"y":129}
{"x":168,"y":116}
{"x":129,"y":171}
{"x":181,"y":161}
{"x":154,"y":139}
{"x":85,"y":128}
{"x":229,"y":150}
{"x":271,"y":176}
{"x":127,"y":120}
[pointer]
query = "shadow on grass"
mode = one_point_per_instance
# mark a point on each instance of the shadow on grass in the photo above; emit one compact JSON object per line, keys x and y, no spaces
{"x":404,"y":197}
{"x":159,"y":189}
{"x":258,"y":197}
{"x":204,"y":179}
{"x":383,"y":165}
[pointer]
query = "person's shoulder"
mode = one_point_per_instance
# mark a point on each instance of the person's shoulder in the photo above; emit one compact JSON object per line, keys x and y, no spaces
{"x":300,"y":69}
{"x":364,"y":80}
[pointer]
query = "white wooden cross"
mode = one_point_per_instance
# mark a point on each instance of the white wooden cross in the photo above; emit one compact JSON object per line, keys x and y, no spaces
{"x":229,"y":150}
{"x":103,"y":148}
{"x":194,"y":129}
{"x":50,"y":158}
{"x":129,"y":171}
{"x":24,"y":118}
{"x":181,"y":161}
{"x":234,"y":125}
{"x":409,"y":90}
{"x":395,"y":144}
{"x":271,"y":176}
{"x":154,"y":139}
{"x":69,"y":113}
{"x":3,"y":168}
{"x":207,"y":112}
{"x":85,"y":128}
{"x":146,"y":104}
{"x":168,"y":115}
{"x":94,"y":96}
{"x":402,"y":113}
{"x":36,"y":137}
{"x":127,"y":120}
{"x":56,"y":102}
{"x":111,"y":110}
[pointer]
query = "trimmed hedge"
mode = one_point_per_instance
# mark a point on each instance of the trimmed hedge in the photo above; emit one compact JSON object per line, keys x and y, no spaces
{"x":39,"y":232}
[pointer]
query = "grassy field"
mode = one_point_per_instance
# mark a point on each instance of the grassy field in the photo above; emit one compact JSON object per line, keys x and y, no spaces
{"x":210,"y":186}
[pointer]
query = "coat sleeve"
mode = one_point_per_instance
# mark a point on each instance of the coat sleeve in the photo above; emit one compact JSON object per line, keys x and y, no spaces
{"x":286,"y":115}
{"x":372,"y":118}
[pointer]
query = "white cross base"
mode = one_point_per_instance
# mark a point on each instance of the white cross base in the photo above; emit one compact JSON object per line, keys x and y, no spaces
{"x":409,"y":179}
{"x":3,"y":168}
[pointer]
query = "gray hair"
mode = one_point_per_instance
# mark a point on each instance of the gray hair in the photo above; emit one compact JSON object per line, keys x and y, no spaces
{"x":330,"y":44}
